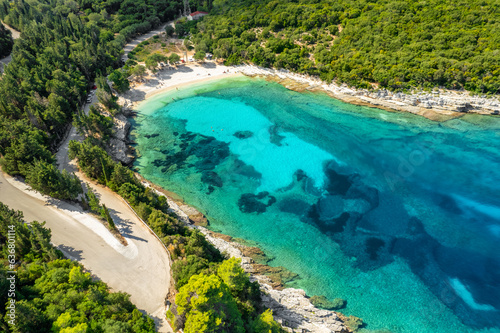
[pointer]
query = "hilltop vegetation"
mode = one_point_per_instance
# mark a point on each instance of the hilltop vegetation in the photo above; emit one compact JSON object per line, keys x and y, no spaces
{"x":64,"y":46}
{"x":54,"y":294}
{"x":395,"y":44}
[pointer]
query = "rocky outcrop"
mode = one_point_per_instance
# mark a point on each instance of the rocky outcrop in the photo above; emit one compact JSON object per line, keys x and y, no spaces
{"x":118,"y":144}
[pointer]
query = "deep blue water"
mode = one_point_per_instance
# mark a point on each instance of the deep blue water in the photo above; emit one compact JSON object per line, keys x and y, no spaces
{"x":395,"y":213}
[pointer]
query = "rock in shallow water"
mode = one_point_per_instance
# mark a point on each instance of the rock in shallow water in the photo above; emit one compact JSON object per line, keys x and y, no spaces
{"x":243,"y":134}
{"x":255,"y":203}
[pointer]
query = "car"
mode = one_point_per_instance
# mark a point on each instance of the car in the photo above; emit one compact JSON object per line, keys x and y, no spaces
{"x":94,"y":87}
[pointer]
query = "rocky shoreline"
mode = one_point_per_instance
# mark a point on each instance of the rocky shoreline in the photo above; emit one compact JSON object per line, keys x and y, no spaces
{"x":291,"y":307}
{"x":436,"y":105}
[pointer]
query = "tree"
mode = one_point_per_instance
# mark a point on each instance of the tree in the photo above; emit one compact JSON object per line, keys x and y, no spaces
{"x":182,"y":270}
{"x":169,"y":30}
{"x":138,"y":71}
{"x":208,"y":306}
{"x":47,"y":179}
{"x":120,"y":81}
{"x":107,"y":216}
{"x":153,"y":60}
{"x":180,"y":29}
{"x":187,"y":44}
{"x":199,"y":56}
{"x":174,"y":58}
{"x":266,"y":323}
{"x":92,"y":160}
{"x":233,"y":275}
{"x":23,"y":150}
{"x":95,"y":124}
{"x":6,"y":41}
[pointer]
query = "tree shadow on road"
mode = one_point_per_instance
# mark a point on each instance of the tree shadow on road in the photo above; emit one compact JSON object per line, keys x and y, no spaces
{"x":71,"y":252}
{"x":124,"y":226}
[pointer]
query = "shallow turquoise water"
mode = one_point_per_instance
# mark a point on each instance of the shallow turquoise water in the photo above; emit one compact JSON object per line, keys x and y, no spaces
{"x":397,"y":214}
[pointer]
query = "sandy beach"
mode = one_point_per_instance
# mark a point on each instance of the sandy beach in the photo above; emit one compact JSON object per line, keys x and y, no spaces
{"x":168,"y":79}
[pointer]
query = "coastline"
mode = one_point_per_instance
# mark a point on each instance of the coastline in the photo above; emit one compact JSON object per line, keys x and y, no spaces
{"x":438,"y":105}
{"x":167,"y":80}
{"x":292,"y":305}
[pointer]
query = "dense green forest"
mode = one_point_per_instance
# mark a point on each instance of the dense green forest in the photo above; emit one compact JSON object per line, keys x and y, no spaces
{"x":6,"y":41}
{"x":394,"y":44}
{"x":53,"y":294}
{"x":64,"y":46}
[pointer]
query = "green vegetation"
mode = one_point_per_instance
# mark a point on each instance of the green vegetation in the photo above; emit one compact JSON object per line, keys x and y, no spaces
{"x":6,"y":41}
{"x":97,"y":208}
{"x":45,"y":178}
{"x":225,"y":301}
{"x":55,"y":294}
{"x":197,"y":265}
{"x":119,"y":79}
{"x":396,"y":44}
{"x":94,"y":125}
{"x":52,"y":67}
{"x":64,"y":47}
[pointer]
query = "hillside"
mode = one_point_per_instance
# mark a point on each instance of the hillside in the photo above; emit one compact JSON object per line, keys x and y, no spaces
{"x":394,"y":44}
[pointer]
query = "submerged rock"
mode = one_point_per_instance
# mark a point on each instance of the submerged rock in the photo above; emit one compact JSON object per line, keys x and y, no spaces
{"x":323,"y":303}
{"x":293,"y":206}
{"x":275,"y":138}
{"x":211,"y":178}
{"x":252,"y":203}
{"x":243,"y":134}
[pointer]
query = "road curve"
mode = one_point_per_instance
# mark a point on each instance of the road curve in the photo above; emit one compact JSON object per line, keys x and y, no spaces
{"x":141,"y":269}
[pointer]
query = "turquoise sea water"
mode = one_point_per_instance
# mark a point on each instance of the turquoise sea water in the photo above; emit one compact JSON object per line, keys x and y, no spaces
{"x":397,"y":214}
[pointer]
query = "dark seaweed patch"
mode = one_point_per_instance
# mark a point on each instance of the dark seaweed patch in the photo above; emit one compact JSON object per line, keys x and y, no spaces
{"x":275,"y":138}
{"x":253,"y":203}
{"x":211,"y":178}
{"x":294,"y":206}
{"x":373,"y":245}
{"x":243,"y":134}
{"x":337,"y":183}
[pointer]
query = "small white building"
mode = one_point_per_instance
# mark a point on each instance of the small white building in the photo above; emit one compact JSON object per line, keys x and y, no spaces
{"x":196,"y":15}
